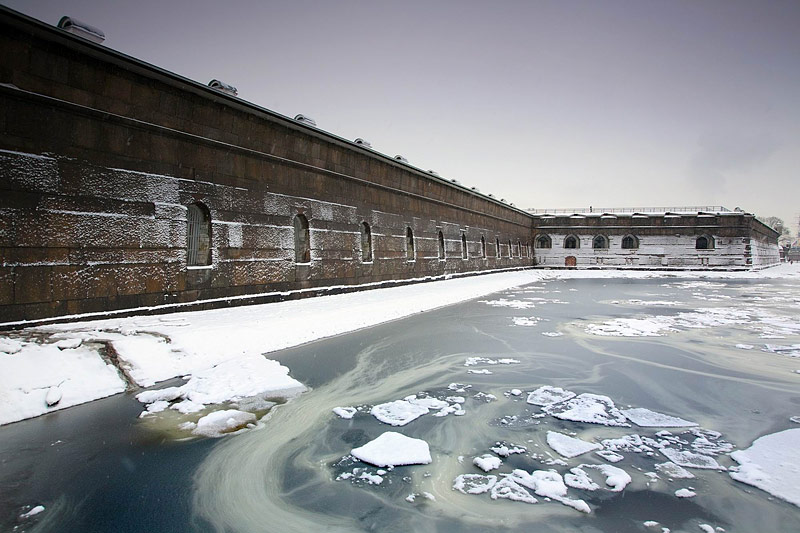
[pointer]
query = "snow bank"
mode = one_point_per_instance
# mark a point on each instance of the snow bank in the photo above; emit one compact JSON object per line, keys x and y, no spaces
{"x":393,"y":449}
{"x":35,"y":373}
{"x":772,"y":464}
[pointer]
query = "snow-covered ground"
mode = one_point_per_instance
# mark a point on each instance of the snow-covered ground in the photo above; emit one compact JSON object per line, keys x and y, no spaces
{"x":221,"y":352}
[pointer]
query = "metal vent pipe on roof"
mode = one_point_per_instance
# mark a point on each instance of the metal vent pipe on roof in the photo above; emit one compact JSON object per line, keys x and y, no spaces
{"x":81,"y":29}
{"x":304,"y":119}
{"x":363,"y":142}
{"x":223,"y":87}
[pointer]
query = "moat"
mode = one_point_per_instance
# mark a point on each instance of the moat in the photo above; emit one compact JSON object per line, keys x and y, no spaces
{"x":720,"y":356}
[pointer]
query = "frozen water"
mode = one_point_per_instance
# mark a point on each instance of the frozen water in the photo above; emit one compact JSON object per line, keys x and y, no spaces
{"x":772,"y":463}
{"x":394,"y":449}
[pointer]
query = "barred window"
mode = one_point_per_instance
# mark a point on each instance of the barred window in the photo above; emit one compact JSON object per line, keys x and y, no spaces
{"x":198,"y":235}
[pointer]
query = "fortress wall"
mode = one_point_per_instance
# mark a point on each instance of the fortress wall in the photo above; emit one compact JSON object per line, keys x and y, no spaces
{"x":101,"y":155}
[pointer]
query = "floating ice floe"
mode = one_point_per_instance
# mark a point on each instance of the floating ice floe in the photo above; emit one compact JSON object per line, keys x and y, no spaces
{"x":394,"y":449}
{"x":478,"y":360}
{"x":569,"y":447}
{"x":671,"y":470}
{"x":591,"y":408}
{"x":792,"y":350}
{"x":237,"y":379}
{"x":345,"y":412}
{"x":631,"y":327}
{"x":611,"y":457}
{"x":616,"y":478}
{"x":504,"y":450}
{"x":772,"y":463}
{"x":398,"y":412}
{"x":474,"y":483}
{"x":548,"y":484}
{"x":33,"y":512}
{"x":525,"y":320}
{"x":484,"y":371}
{"x":487,"y":462}
{"x":647,"y":418}
{"x":552,"y":333}
{"x":745,"y":346}
{"x":685,"y":493}
{"x":508,"y":489}
{"x":690,"y":459}
{"x":220,"y":423}
{"x":513,"y":304}
{"x":548,"y":395}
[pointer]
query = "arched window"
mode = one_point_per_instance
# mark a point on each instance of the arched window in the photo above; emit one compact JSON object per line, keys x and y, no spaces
{"x":572,"y":242}
{"x":464,"y":251}
{"x":483,"y":247}
{"x":302,"y":241}
{"x":366,"y":243}
{"x":600,"y":242}
{"x":630,"y":242}
{"x":198,"y":235}
{"x":704,"y":242}
{"x":441,"y":246}
{"x":497,"y":252}
{"x":543,"y":241}
{"x":410,"y":254}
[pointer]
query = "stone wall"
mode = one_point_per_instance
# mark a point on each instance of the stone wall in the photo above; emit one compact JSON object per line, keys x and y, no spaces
{"x":101,"y":155}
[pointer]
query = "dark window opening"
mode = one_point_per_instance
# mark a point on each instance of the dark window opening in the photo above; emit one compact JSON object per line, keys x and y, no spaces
{"x":543,"y":241}
{"x":705,"y":243}
{"x":497,"y":251}
{"x":302,"y":240}
{"x":599,"y":242}
{"x":410,"y":254}
{"x":571,"y":242}
{"x":366,"y":242}
{"x":441,"y":246}
{"x":630,"y":242}
{"x":464,"y":252}
{"x":510,"y":249}
{"x":483,"y":247}
{"x":198,"y":235}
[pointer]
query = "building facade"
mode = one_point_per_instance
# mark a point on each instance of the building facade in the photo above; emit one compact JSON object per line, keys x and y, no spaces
{"x":127,"y":187}
{"x":707,"y":237}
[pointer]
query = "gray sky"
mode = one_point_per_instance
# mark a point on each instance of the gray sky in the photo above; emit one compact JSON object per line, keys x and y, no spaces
{"x":547,"y":104}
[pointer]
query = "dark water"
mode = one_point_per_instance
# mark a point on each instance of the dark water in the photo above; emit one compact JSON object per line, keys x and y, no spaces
{"x":110,"y":472}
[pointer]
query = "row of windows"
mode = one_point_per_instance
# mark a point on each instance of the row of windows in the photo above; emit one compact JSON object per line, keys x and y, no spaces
{"x":199,"y":240}
{"x":600,"y":242}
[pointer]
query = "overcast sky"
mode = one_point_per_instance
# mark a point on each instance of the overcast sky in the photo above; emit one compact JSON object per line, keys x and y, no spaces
{"x":547,"y":104}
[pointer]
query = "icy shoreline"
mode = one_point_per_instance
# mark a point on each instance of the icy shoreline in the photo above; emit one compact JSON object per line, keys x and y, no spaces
{"x":83,"y":361}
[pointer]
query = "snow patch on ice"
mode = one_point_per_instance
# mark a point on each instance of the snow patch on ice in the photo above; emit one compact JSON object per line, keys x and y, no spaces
{"x":394,"y":449}
{"x":772,"y":463}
